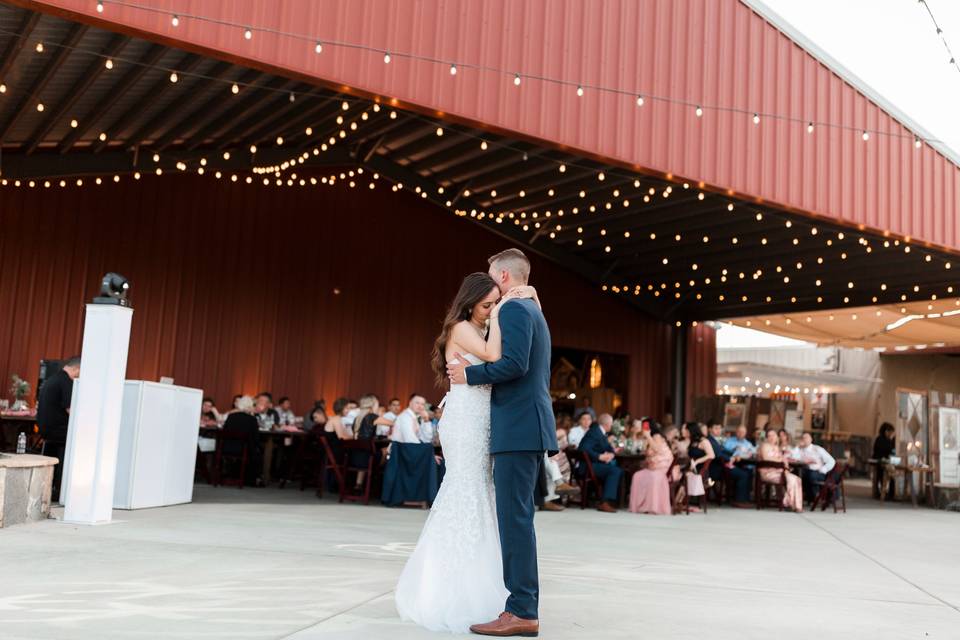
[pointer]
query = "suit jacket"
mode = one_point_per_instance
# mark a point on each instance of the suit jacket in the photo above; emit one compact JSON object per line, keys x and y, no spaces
{"x":521,"y":412}
{"x":718,"y":450}
{"x":595,"y":443}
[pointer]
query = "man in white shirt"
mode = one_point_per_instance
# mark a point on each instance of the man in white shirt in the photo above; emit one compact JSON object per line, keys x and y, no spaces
{"x":819,"y":464}
{"x":393,"y":410}
{"x":407,"y":426}
{"x":577,"y":433}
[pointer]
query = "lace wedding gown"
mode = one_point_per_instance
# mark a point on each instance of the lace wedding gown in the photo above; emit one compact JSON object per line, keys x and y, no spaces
{"x":455,"y":576}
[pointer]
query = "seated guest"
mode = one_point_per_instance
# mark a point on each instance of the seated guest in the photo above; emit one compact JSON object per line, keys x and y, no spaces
{"x":317,"y":416}
{"x":407,"y":426}
{"x":393,"y":410}
{"x":786,"y":442}
{"x":583,"y":425}
{"x":739,"y":447}
{"x":285,"y":415}
{"x":819,"y":464}
{"x":650,"y":487}
{"x":770,"y":451}
{"x":233,"y":406}
{"x":585,"y":408}
{"x":556,"y":471}
{"x":351,"y":414}
{"x":365,"y":428}
{"x":740,"y":477}
{"x":640,"y":429}
{"x":596,"y":446}
{"x":266,"y":415}
{"x":209,"y":416}
{"x":242,"y":421}
{"x":883,"y":447}
{"x":700,"y":452}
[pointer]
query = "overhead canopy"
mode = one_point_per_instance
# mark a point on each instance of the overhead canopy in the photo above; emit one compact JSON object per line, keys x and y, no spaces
{"x":688,"y":217}
{"x":895,"y":327}
{"x":752,"y":378}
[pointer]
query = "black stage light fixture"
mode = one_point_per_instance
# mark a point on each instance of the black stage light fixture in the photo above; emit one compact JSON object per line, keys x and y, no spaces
{"x":113,"y":290}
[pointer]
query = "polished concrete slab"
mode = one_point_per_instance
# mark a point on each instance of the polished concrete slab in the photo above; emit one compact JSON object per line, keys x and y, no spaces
{"x":281,"y":564}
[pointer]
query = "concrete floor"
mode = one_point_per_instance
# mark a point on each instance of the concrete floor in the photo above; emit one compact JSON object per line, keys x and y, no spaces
{"x":281,"y":564}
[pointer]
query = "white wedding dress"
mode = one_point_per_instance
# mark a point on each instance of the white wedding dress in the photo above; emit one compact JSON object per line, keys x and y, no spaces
{"x":455,"y":576}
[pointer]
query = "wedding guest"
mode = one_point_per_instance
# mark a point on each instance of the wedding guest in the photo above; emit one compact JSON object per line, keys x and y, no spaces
{"x":351,"y":414}
{"x":585,"y":408}
{"x":739,"y":447}
{"x":556,"y":471}
{"x":393,"y":410}
{"x":786,"y":442}
{"x":819,"y":463}
{"x":317,"y":416}
{"x":264,"y":412}
{"x":407,"y":426}
{"x":233,"y":406}
{"x":365,"y":428}
{"x":596,"y":446}
{"x":285,"y":415}
{"x":650,"y":487}
{"x":770,"y":450}
{"x":209,"y":416}
{"x":53,"y":416}
{"x":242,"y":421}
{"x":700,"y":452}
{"x":883,"y":447}
{"x":577,"y":433}
{"x":740,"y":478}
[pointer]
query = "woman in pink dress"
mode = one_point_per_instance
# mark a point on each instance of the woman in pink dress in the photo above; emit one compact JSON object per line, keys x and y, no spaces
{"x":650,"y":488}
{"x":770,"y":450}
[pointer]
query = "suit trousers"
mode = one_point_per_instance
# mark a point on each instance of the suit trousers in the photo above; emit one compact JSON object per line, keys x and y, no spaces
{"x":609,"y":473}
{"x":517,"y":475}
{"x":741,"y":479}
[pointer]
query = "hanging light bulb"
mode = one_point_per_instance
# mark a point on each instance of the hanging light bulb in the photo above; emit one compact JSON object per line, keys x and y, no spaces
{"x":175,"y":20}
{"x":74,"y":124}
{"x":318,"y":48}
{"x":39,"y":47}
{"x":108,"y":64}
{"x":639,"y":101}
{"x":453,"y":69}
{"x":386,"y":58}
{"x":39,"y":106}
{"x":865,"y":136}
{"x":174,"y":77}
{"x":809,"y":127}
{"x":253,"y":148}
{"x":756,"y":118}
{"x":99,"y":7}
{"x":579,"y":91}
{"x":3,"y":88}
{"x":235,"y":89}
{"x":516,"y":79}
{"x":103,"y":136}
{"x":483,"y":145}
{"x":699,"y":111}
{"x":247,"y":34}
{"x":916,"y":142}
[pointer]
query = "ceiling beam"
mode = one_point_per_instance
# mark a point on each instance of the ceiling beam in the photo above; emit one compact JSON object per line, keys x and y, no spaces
{"x":32,"y":95}
{"x":248,"y":104}
{"x":17,"y":42}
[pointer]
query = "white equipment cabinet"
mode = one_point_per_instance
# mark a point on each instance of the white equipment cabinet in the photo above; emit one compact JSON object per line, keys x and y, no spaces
{"x":157,"y":452}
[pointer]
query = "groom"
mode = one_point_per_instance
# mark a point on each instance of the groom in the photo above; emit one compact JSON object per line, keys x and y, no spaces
{"x":522,"y":427}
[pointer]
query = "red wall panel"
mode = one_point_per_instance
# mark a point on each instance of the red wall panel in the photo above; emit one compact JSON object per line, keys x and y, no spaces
{"x":717,"y":53}
{"x":233,"y":287}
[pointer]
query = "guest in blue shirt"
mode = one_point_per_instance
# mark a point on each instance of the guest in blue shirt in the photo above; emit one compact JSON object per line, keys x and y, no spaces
{"x":739,"y":447}
{"x":740,"y":478}
{"x":596,"y":446}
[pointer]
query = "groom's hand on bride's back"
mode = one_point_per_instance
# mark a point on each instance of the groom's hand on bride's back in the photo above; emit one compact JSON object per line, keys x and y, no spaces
{"x":457,"y":369}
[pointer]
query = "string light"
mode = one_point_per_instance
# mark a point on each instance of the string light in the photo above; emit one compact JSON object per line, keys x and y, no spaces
{"x":175,"y":20}
{"x":756,"y":118}
{"x":699,"y":111}
{"x":108,"y":64}
{"x":39,"y":47}
{"x":639,"y":101}
{"x":99,"y":7}
{"x":318,"y":48}
{"x":579,"y":91}
{"x":386,"y":58}
{"x":516,"y":79}
{"x":809,"y":127}
{"x":174,"y":77}
{"x":453,"y":69}
{"x":235,"y":89}
{"x":247,"y":34}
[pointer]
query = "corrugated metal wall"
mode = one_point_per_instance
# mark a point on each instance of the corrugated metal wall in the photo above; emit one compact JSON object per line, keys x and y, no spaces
{"x":710,"y":52}
{"x":701,"y":364}
{"x":233,"y":287}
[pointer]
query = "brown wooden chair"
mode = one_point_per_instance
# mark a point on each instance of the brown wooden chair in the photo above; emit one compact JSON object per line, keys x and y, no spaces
{"x":202,"y":466}
{"x":354,"y":446}
{"x":583,"y":474}
{"x":832,"y":489}
{"x":677,"y":479}
{"x":704,"y":473}
{"x":761,"y":487}
{"x":328,"y":464}
{"x":243,"y":456}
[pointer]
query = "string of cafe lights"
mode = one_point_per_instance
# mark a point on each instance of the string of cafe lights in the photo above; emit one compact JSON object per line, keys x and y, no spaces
{"x":484,"y":145}
{"x":455,"y":67}
{"x":940,"y":34}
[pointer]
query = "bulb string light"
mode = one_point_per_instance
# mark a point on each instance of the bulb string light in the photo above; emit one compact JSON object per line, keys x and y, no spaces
{"x":640,"y":98}
{"x":940,"y":34}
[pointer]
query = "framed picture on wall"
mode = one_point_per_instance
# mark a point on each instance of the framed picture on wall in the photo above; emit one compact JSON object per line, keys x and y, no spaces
{"x":733,"y":414}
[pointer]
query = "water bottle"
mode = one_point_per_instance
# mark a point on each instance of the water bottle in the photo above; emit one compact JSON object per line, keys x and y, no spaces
{"x":22,"y":443}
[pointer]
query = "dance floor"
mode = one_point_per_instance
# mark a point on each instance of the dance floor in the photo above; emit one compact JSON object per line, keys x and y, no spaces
{"x":281,"y":564}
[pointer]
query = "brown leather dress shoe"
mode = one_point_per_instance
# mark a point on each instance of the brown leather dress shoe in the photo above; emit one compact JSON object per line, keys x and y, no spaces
{"x":606,"y":507}
{"x":508,"y":625}
{"x":564,"y":489}
{"x":552,"y":506}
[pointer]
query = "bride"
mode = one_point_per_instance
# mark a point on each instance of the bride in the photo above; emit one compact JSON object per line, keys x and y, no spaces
{"x":455,"y":576}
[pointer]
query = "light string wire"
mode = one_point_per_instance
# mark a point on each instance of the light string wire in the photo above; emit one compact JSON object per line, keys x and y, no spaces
{"x":941,"y":35}
{"x":455,"y":66}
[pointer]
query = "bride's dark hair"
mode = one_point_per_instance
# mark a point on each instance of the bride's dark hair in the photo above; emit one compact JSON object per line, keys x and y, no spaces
{"x":474,"y":288}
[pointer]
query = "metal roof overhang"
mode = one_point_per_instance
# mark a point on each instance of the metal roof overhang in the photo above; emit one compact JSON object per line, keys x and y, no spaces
{"x":677,"y":248}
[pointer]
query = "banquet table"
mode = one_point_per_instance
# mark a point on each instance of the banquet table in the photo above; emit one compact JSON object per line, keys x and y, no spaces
{"x":269,"y":439}
{"x":11,"y":424}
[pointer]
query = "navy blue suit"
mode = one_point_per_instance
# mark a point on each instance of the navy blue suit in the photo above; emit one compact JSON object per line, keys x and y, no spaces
{"x":593,"y":444}
{"x":522,"y":427}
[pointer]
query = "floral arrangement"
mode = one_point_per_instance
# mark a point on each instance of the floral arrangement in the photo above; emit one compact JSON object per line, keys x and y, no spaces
{"x":19,"y":388}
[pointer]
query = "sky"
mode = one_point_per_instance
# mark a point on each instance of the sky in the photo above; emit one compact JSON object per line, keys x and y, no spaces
{"x":893,"y":47}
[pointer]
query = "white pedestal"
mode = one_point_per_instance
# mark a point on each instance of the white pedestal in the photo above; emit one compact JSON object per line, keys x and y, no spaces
{"x":157,"y":453}
{"x":91,"y":455}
